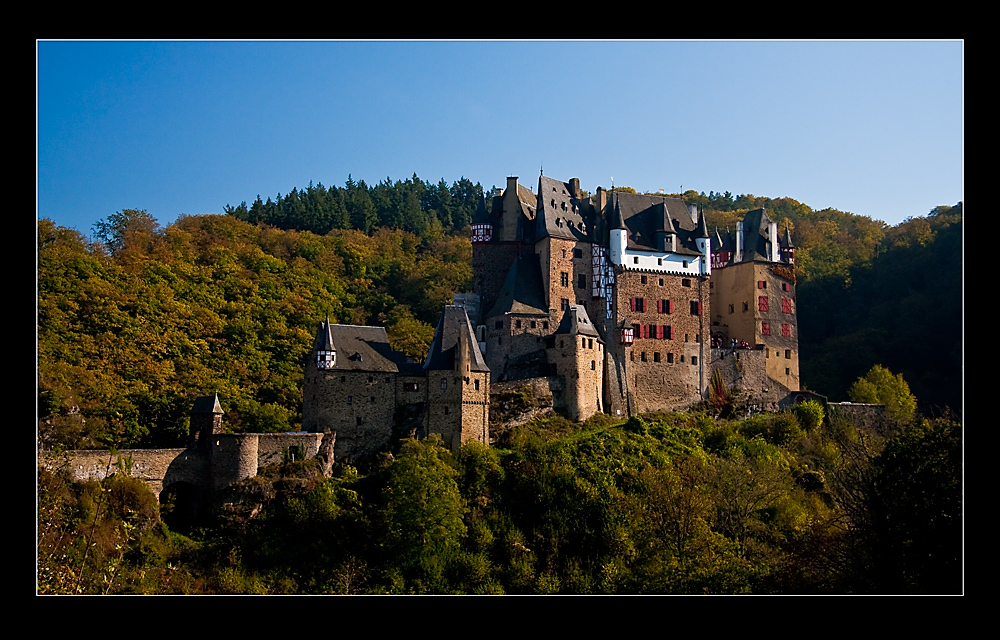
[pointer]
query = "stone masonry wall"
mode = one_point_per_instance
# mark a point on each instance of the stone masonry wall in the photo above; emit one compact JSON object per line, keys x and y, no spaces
{"x":667,"y":372}
{"x":358,"y":405}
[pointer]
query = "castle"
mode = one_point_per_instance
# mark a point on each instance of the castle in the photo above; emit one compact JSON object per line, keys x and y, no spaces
{"x":621,"y":303}
{"x":617,"y":303}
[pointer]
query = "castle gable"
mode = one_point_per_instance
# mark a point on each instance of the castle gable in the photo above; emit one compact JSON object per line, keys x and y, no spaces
{"x":643,"y":216}
{"x":576,"y":322}
{"x":453,"y":329}
{"x":522,"y":291}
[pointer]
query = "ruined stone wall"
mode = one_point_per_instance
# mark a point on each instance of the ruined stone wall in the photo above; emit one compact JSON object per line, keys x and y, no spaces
{"x":152,"y":466}
{"x":273,"y":447}
{"x":747,"y":370}
{"x":360,"y":406}
{"x":868,"y":417}
{"x":668,"y":372}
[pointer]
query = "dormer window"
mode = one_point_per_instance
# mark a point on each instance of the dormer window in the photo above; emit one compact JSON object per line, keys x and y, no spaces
{"x":326,"y":359}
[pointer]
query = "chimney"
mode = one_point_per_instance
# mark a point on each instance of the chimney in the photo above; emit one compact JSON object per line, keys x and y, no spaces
{"x":574,"y":188}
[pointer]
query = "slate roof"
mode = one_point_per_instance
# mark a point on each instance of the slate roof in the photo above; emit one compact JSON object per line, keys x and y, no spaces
{"x":360,"y":348}
{"x":756,"y":232}
{"x":576,"y":322}
{"x":522,"y":291}
{"x":453,"y":324}
{"x":206,"y":404}
{"x":643,"y":216}
{"x":559,"y":214}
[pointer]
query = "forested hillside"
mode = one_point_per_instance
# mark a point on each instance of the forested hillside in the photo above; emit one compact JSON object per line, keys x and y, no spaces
{"x":664,"y":503}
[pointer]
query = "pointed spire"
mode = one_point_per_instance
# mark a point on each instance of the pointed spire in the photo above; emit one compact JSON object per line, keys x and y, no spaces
{"x":786,"y":242}
{"x":702,"y":225}
{"x":616,"y":216}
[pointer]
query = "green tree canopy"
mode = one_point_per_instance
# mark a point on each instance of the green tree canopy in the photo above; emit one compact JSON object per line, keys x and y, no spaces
{"x":880,"y":386}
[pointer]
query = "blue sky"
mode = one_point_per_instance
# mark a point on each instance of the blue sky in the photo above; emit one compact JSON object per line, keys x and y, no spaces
{"x":874,"y":128}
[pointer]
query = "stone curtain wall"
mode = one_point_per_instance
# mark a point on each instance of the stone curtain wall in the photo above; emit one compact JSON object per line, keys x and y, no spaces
{"x":149,"y":465}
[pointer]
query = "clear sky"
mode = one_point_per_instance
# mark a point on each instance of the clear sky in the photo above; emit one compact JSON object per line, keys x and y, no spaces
{"x":874,"y":128}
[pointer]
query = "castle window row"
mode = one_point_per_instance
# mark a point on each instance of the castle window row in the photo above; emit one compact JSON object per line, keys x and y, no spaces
{"x":664,"y":306}
{"x":653,"y":331}
{"x":657,"y":357}
{"x":762,"y":305}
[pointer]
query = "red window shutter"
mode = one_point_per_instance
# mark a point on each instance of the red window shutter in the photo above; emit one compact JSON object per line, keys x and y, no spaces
{"x":786,"y":305}
{"x":765,"y":328}
{"x":786,"y":330}
{"x":760,"y":284}
{"x":659,"y":306}
{"x":645,"y":331}
{"x":699,"y":308}
{"x":762,"y":303}
{"x":670,"y":306}
{"x":659,"y":332}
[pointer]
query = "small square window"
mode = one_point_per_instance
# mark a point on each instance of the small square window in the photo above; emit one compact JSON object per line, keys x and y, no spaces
{"x":670,"y":358}
{"x":593,"y":365}
{"x":685,"y":262}
{"x":788,"y":354}
{"x":642,"y":279}
{"x":635,"y":260}
{"x":533,"y":324}
{"x":517,"y":324}
{"x":661,"y":282}
{"x":577,"y":253}
{"x":788,"y":371}
{"x":694,"y":359}
{"x":686,"y":282}
{"x":656,"y":356}
{"x":564,"y":279}
{"x":642,"y":356}
{"x":746,"y":306}
{"x":659,"y":262}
